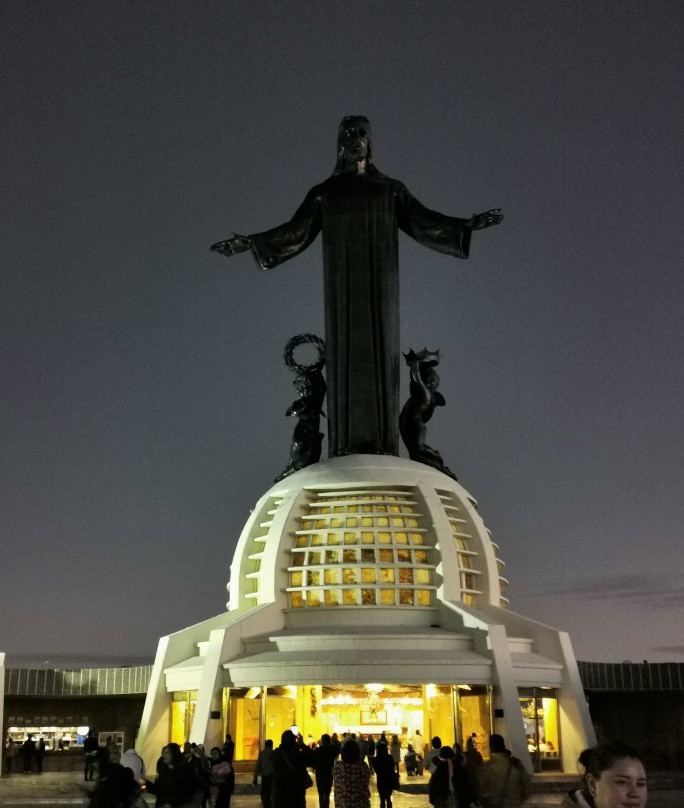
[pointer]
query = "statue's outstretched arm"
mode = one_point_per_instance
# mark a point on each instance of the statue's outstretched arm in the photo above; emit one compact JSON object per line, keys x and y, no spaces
{"x":232,"y":246}
{"x":479,"y":221}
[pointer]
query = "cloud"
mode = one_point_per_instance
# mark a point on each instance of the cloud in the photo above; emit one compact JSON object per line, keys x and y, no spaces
{"x":668,"y":649}
{"x":663,"y":590}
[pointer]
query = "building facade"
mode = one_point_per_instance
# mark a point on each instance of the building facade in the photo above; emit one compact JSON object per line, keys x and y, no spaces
{"x":367,"y":595}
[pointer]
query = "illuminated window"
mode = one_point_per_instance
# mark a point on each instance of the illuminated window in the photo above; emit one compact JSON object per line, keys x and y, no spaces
{"x":405,"y":576}
{"x":348,"y":575}
{"x":313,"y":598}
{"x":374,"y":532}
{"x":332,"y":577}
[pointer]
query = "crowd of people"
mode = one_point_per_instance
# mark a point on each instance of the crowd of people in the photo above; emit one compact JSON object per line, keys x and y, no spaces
{"x":32,"y":753}
{"x":347,"y":767}
{"x":186,"y":778}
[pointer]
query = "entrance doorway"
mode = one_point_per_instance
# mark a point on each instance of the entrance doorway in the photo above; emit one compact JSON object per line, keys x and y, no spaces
{"x":539,"y":706}
{"x":452,"y":712}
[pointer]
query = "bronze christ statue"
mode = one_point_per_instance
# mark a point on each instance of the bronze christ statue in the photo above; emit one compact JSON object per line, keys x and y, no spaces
{"x":360,"y":211}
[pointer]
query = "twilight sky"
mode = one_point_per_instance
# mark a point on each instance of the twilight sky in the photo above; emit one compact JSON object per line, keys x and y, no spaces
{"x":143,"y":389}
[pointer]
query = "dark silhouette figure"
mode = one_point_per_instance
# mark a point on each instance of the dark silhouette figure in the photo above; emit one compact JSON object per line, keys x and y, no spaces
{"x":28,"y":752}
{"x":419,"y":408}
{"x":228,"y":748}
{"x":290,"y":777}
{"x":117,"y":789}
{"x":264,"y":770}
{"x":386,"y":776}
{"x":359,"y":212}
{"x":310,"y":384}
{"x":90,"y":751}
{"x":40,"y":755}
{"x":324,"y":757}
{"x":175,"y":783}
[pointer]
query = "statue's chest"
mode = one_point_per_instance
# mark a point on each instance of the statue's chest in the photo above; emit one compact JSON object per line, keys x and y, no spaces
{"x":362,"y":199}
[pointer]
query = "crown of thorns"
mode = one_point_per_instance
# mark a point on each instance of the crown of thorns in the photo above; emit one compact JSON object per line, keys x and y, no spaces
{"x":304,"y":339}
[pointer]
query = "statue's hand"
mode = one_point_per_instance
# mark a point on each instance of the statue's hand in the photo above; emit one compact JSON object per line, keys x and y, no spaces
{"x":479,"y":221}
{"x":232,"y":246}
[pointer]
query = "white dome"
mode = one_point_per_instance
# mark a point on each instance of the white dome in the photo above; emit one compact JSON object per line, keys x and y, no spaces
{"x":365,"y":532}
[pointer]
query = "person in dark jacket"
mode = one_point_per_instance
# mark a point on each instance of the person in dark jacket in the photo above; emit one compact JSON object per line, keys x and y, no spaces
{"x":175,"y":785}
{"x":118,"y":789}
{"x":28,"y":752}
{"x":290,"y":776}
{"x":90,"y":750}
{"x":385,"y":774}
{"x":441,"y":786}
{"x":264,"y":770}
{"x":502,"y":782}
{"x":324,"y":757}
{"x":463,"y":787}
{"x":221,"y":779}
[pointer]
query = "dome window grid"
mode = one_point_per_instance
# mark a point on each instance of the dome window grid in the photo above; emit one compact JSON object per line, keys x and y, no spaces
{"x":361,"y":548}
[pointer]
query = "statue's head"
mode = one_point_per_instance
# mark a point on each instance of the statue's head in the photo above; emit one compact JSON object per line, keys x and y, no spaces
{"x":353,"y":143}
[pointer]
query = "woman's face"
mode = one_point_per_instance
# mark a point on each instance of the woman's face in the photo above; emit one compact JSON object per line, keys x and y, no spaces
{"x":621,"y":786}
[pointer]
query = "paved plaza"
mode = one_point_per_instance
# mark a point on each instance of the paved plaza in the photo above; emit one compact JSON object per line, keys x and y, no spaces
{"x":68,"y":788}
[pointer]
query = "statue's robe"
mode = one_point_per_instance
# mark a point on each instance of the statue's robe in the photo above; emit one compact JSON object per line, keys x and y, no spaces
{"x":360,"y":215}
